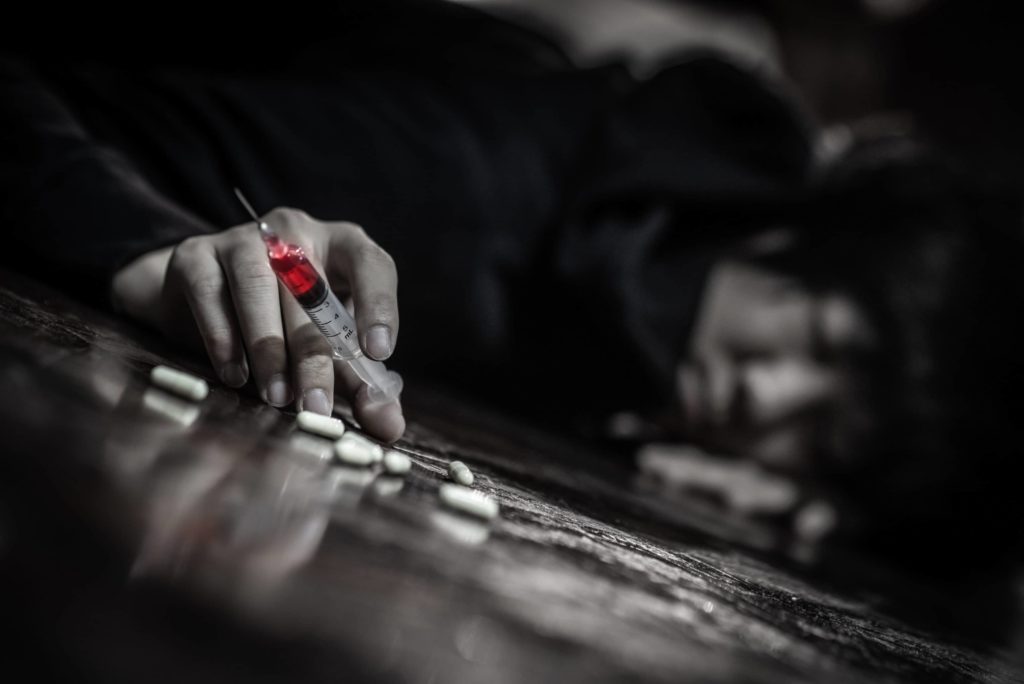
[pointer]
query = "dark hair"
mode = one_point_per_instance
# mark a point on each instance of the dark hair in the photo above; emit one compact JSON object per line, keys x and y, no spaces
{"x":935,"y":260}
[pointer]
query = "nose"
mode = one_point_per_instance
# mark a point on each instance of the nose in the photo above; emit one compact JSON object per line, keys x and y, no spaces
{"x":777,"y":390}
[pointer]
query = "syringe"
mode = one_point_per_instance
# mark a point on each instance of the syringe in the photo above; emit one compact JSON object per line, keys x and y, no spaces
{"x":310,"y":290}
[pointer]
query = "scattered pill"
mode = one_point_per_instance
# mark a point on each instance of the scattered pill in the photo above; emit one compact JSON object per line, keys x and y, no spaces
{"x":460,"y":472}
{"x":468,"y":500}
{"x":316,"y":423}
{"x":396,"y":463}
{"x":356,"y":450}
{"x":179,"y":382}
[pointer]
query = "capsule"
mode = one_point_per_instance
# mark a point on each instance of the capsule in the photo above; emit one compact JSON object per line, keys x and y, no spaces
{"x":396,"y":463}
{"x":468,"y":501}
{"x":357,"y":450}
{"x":325,"y":426}
{"x":179,"y":382}
{"x":460,"y":473}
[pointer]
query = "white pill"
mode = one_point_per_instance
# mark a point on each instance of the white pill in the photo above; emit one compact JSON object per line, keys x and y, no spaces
{"x":468,"y":500}
{"x":356,"y":450}
{"x":376,"y":450}
{"x":460,"y":472}
{"x":179,"y":382}
{"x":396,"y":463}
{"x":316,"y":423}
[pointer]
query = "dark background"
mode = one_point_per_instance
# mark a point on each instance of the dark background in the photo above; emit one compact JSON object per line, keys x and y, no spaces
{"x":948,"y":67}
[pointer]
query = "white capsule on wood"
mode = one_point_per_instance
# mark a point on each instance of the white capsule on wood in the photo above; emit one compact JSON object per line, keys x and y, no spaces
{"x":460,"y":472}
{"x":318,"y":424}
{"x":396,"y":463}
{"x":356,"y":450}
{"x":468,"y":501}
{"x":181,"y":383}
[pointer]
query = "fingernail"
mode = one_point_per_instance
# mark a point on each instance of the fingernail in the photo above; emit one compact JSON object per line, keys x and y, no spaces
{"x":233,"y":374}
{"x":278,"y":392}
{"x":378,"y":342}
{"x":316,"y":400}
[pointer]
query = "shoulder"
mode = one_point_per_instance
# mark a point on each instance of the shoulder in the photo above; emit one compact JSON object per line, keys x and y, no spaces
{"x":703,"y":127}
{"x":705,"y":100}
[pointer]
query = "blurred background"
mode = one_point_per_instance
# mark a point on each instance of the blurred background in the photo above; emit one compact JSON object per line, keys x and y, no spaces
{"x":947,"y":66}
{"x":943,"y":66}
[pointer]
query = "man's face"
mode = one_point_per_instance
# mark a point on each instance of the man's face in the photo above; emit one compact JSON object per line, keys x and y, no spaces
{"x":763,"y":370}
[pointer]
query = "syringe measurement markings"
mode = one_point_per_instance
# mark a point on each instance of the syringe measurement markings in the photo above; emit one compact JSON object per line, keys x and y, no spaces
{"x":323,"y":326}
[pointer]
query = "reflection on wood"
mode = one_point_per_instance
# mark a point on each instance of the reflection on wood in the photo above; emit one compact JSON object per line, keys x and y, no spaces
{"x":224,"y":542}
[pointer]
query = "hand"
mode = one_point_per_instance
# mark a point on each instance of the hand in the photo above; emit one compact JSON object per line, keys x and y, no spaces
{"x":219,"y":292}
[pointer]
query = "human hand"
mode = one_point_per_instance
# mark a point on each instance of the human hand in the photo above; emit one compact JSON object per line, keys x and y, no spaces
{"x":218,"y":292}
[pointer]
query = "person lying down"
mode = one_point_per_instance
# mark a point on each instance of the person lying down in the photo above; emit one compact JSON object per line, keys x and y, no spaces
{"x":569,"y":245}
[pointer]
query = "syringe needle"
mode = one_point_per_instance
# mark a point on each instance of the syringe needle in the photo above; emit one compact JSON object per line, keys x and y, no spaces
{"x":248,"y":207}
{"x":265,"y":230}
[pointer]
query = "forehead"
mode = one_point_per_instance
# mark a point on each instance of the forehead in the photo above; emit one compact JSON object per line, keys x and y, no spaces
{"x":840,"y":320}
{"x":753,"y":310}
{"x":837,"y":320}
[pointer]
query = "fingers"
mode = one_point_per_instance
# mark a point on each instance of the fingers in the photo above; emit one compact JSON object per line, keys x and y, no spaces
{"x":254,"y":291}
{"x":373,"y":279}
{"x":195,"y":272}
{"x":251,"y":326}
{"x":383,"y":421}
{"x":310,"y":357}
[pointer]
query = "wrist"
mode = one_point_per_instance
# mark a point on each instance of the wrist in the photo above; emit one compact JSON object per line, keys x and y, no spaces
{"x":135,"y":290}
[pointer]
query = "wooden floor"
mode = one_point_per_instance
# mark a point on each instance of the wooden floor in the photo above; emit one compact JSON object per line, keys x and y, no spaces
{"x":143,"y":538}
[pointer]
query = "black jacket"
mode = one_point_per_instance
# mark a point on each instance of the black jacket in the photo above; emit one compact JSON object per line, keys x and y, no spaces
{"x":552,"y":228}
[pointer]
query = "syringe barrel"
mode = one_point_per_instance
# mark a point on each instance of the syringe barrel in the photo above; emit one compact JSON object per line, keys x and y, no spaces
{"x":337,"y":325}
{"x":329,"y":315}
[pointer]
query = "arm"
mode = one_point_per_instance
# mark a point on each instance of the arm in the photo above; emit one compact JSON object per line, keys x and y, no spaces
{"x":82,"y":208}
{"x":70,"y":201}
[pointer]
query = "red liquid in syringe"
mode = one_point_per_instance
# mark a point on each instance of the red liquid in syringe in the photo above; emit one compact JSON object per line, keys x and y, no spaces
{"x":310,"y":290}
{"x":293,"y":269}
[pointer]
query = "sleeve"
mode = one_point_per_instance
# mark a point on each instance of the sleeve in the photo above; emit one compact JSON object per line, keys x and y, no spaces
{"x":72,"y":206}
